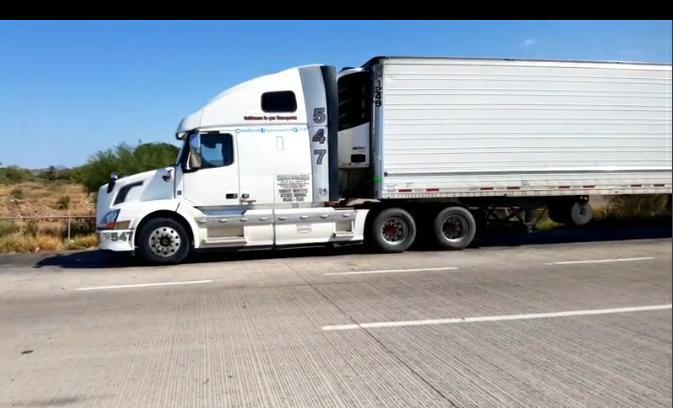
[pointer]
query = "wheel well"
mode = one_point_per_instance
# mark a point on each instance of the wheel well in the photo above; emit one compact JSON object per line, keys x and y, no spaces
{"x":165,"y":214}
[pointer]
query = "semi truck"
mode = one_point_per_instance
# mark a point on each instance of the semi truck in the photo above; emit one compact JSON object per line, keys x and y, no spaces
{"x":396,"y":149}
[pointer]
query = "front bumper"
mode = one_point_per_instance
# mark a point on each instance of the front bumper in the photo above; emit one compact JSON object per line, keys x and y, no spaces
{"x":116,"y":240}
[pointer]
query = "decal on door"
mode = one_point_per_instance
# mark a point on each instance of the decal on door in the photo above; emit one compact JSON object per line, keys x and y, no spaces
{"x":292,"y":187}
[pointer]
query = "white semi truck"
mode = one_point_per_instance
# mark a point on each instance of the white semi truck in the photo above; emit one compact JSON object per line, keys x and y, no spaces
{"x":395,"y":149}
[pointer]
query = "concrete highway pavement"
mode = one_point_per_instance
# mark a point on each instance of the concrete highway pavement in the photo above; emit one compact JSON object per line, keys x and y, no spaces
{"x":557,"y":325}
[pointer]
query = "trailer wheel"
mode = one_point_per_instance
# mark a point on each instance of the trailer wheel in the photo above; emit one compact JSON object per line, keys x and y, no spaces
{"x":393,"y":230}
{"x":163,"y":241}
{"x":581,"y":213}
{"x":454,"y":228}
{"x":568,"y":212}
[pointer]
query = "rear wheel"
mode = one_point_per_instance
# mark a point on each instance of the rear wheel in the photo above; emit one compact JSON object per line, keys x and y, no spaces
{"x":454,"y":228}
{"x":571,"y":212}
{"x":393,"y":230}
{"x":163,"y":241}
{"x":581,"y":213}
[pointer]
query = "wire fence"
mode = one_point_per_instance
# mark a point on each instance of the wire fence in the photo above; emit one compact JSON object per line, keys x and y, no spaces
{"x":66,"y":226}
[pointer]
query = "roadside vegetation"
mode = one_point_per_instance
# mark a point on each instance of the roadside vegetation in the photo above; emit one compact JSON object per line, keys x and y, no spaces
{"x":624,"y":210}
{"x":61,"y":192}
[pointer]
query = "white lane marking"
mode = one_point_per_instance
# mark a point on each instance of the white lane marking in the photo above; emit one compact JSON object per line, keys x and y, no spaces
{"x":143,"y":285}
{"x":448,"y":268}
{"x":495,"y":318}
{"x":642,"y":258}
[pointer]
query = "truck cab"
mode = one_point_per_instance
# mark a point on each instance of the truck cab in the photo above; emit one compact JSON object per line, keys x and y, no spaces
{"x":254,"y":170}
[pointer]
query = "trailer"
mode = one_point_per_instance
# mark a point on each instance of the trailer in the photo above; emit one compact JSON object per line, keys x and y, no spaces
{"x":395,"y":148}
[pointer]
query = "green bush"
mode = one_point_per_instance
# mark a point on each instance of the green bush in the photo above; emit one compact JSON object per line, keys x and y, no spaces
{"x":124,"y":160}
{"x":15,"y":174}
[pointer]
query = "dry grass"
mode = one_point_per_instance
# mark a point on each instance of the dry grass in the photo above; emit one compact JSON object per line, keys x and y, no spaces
{"x":83,"y":242}
{"x":40,"y":199}
{"x":636,"y":207}
{"x":18,"y":242}
{"x":23,"y":243}
{"x":546,"y":224}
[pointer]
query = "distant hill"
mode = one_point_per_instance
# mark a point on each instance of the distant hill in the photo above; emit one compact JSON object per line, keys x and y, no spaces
{"x":56,"y":168}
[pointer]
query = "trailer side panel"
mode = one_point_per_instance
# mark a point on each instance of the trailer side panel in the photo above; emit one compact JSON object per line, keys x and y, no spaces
{"x":455,"y":128}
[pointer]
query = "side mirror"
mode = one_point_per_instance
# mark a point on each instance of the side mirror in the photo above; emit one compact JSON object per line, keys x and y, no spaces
{"x":168,"y":174}
{"x":111,"y":184}
{"x":194,"y":157}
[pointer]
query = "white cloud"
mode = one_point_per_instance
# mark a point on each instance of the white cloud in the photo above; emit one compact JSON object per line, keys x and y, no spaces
{"x":529,"y":42}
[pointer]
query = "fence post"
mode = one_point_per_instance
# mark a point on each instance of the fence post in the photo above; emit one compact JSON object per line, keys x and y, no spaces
{"x":69,"y":225}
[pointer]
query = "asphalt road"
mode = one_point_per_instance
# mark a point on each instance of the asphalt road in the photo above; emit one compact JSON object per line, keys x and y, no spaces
{"x":565,"y":324}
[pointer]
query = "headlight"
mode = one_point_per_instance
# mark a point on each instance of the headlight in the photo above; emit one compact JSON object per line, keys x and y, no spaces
{"x":108,"y":221}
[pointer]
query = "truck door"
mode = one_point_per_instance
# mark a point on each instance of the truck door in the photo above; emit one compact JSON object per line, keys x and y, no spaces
{"x":216,"y":182}
{"x":256,"y":148}
{"x":214,"y":189}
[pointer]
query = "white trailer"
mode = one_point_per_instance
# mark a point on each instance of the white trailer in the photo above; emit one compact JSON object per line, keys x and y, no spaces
{"x":309,"y":156}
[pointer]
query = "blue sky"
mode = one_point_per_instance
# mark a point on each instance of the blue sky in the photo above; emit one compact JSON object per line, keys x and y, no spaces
{"x":71,"y":88}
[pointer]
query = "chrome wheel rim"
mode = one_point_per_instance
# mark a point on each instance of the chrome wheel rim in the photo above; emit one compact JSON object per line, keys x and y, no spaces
{"x":454,"y":228}
{"x":394,"y":230}
{"x":164,"y":242}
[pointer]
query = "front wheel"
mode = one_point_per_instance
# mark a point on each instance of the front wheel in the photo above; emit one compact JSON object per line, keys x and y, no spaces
{"x":163,"y":241}
{"x":393,"y":230}
{"x":454,"y":228}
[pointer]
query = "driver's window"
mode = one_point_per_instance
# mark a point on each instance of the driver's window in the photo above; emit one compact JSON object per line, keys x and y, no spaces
{"x":217,"y":150}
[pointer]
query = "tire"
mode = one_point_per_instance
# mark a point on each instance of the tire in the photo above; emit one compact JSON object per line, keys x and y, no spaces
{"x":393,"y":230}
{"x":581,"y":213}
{"x":454,"y":228}
{"x":171,"y":242}
{"x":571,"y":212}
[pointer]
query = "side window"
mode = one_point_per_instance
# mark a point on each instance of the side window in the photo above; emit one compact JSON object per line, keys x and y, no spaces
{"x":217,"y":150}
{"x":282,"y":101}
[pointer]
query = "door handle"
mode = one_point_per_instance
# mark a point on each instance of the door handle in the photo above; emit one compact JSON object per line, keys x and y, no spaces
{"x":232,"y":195}
{"x":247,"y":201}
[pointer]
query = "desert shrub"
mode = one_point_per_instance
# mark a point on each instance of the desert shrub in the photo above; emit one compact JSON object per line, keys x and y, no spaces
{"x":17,"y":193}
{"x":14,"y":174}
{"x":31,"y":228}
{"x":63,"y":202}
{"x":52,"y":228}
{"x":8,"y":227}
{"x":81,"y":226}
{"x":637,"y":206}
